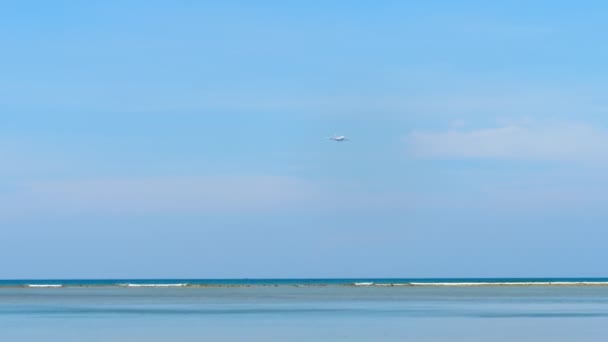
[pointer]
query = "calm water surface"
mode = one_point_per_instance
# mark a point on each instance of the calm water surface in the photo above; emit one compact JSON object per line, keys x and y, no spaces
{"x":327,"y":313}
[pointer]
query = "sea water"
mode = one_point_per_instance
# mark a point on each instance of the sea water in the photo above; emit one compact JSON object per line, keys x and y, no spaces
{"x":304,"y":310}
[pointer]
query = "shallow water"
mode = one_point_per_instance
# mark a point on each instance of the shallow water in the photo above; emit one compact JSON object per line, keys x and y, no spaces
{"x":326,"y":313}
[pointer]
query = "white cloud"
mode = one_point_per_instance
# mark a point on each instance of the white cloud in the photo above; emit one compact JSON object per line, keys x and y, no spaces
{"x":158,"y":195}
{"x":225,"y":195}
{"x":559,"y":142}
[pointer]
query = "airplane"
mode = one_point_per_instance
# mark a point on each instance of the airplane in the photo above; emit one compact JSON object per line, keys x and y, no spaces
{"x":338,"y":138}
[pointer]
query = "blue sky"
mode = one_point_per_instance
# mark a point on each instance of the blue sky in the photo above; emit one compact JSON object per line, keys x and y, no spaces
{"x":189,"y":139}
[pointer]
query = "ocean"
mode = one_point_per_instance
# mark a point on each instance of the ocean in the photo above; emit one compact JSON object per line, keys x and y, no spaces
{"x":305,"y":310}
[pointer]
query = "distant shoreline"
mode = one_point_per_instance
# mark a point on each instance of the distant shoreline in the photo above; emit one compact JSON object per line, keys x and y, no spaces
{"x":245,"y":283}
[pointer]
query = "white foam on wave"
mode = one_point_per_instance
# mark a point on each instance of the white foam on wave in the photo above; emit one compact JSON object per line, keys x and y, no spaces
{"x":364,"y":284}
{"x":44,"y":285}
{"x":153,"y":285}
{"x":531,"y":283}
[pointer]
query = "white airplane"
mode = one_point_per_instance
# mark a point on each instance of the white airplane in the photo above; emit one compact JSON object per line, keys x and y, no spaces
{"x":338,"y":138}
